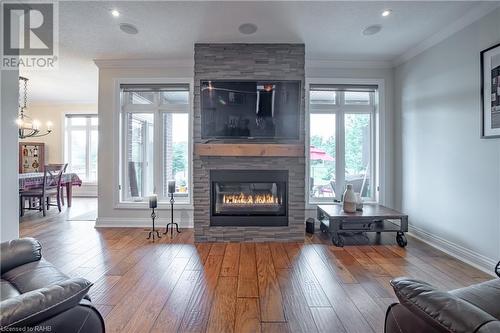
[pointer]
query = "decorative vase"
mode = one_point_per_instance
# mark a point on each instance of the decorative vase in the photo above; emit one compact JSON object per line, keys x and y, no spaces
{"x":349,"y":203}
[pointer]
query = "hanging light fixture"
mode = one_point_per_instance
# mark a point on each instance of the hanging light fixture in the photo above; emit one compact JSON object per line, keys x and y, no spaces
{"x":28,"y":128}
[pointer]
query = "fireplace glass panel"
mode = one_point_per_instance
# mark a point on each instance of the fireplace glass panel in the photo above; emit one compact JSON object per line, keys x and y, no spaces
{"x":249,"y":198}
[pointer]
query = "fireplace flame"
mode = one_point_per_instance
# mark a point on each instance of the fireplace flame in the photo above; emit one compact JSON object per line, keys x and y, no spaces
{"x":257,"y":199}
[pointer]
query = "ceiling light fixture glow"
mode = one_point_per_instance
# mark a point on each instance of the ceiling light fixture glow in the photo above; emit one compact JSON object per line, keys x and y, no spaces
{"x":387,"y":12}
{"x":115,"y":13}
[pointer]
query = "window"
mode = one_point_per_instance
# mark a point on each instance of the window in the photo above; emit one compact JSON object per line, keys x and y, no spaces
{"x":81,"y":142}
{"x":341,"y":138}
{"x":155,"y":141}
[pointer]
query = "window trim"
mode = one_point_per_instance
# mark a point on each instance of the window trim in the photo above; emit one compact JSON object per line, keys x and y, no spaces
{"x":378,"y":135}
{"x":118,"y":145}
{"x":66,"y":141}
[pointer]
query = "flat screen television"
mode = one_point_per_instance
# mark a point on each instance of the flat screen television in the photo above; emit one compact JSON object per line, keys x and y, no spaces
{"x":250,"y":109}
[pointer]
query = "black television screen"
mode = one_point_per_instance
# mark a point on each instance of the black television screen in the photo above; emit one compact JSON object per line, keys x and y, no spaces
{"x":250,"y":109}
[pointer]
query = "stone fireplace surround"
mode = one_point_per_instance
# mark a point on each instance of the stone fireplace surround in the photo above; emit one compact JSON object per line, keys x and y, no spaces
{"x":248,"y":62}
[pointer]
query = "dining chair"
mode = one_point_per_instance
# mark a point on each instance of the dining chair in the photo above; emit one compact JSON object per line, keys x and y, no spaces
{"x":64,"y":166}
{"x":51,"y":186}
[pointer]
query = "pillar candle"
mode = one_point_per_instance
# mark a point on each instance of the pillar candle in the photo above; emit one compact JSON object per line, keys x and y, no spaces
{"x":171,"y":186}
{"x":153,"y":201}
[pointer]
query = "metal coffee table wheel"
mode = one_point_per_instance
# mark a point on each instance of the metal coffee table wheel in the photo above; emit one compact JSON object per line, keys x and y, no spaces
{"x":338,"y":240}
{"x":401,"y":239}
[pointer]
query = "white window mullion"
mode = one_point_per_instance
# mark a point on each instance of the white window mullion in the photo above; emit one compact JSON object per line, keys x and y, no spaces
{"x":158,"y":152}
{"x":69,"y":138}
{"x":340,"y":150}
{"x":87,"y":149}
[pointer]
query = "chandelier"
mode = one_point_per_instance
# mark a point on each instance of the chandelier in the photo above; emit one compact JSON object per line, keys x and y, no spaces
{"x":28,"y":128}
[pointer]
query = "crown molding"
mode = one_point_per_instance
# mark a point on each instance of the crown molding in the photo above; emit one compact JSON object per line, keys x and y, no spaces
{"x":472,"y":16}
{"x":315,"y":63}
{"x":143,"y":63}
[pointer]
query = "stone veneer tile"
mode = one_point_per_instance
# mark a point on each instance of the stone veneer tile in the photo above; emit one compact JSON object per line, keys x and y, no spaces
{"x":248,"y":62}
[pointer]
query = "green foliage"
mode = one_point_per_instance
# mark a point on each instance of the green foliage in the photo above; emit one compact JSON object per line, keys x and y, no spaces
{"x":356,"y":136}
{"x":357,"y":131}
{"x":179,"y":162}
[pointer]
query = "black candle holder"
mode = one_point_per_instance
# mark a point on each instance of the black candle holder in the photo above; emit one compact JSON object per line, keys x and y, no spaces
{"x":152,"y":232}
{"x":172,"y":223}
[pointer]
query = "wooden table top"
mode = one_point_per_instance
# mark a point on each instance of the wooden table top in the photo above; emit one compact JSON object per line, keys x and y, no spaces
{"x":370,"y":211}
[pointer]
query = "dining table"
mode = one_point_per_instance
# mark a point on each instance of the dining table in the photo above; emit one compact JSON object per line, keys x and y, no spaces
{"x":32,"y":180}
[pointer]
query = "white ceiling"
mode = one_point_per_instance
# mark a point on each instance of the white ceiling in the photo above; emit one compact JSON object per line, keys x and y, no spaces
{"x":168,"y":30}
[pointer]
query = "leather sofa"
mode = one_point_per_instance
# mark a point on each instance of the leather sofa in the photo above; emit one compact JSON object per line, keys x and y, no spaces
{"x":36,"y":296}
{"x":424,"y":309}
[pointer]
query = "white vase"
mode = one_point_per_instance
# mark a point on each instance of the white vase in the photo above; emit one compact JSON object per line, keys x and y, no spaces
{"x":349,"y":203}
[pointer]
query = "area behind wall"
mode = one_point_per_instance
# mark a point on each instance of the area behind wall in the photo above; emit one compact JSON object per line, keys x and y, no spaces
{"x":450,"y":178}
{"x":54,"y":142}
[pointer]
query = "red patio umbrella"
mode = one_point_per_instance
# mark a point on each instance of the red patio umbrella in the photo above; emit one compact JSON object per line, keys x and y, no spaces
{"x":317,"y":154}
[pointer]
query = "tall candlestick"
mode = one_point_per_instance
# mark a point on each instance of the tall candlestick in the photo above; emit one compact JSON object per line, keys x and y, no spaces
{"x":171,"y":186}
{"x":153,"y":201}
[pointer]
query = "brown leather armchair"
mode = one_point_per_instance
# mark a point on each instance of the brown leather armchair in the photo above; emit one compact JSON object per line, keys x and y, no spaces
{"x":423,"y":308}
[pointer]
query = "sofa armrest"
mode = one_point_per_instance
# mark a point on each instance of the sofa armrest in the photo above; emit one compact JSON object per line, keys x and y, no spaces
{"x":440,"y":309}
{"x":18,"y":252}
{"x":32,"y":307}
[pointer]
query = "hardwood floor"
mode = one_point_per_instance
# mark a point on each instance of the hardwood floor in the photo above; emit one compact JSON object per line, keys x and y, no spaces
{"x":175,"y":285}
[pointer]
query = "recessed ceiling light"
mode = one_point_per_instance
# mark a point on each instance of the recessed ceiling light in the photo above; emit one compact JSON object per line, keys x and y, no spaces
{"x":129,"y":28}
{"x":115,"y":13}
{"x":247,"y":28}
{"x":387,"y":12}
{"x":372,"y":30}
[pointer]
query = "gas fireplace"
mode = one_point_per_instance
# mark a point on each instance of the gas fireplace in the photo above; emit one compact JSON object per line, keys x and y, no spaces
{"x":248,"y":198}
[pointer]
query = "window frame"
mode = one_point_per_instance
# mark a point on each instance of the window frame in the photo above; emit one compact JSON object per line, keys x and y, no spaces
{"x":88,"y":127}
{"x":158,"y":110}
{"x":375,"y":108}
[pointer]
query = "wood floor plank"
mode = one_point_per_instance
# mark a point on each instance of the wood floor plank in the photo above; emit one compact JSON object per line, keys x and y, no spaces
{"x":326,"y":320}
{"x":196,"y":261}
{"x":297,"y":312}
{"x":230,"y":264}
{"x":367,"y":306}
{"x":145,"y":315}
{"x":123,"y":311}
{"x":175,"y":285}
{"x":198,"y":310}
{"x":169,"y":318}
{"x":271,"y":306}
{"x":313,"y":294}
{"x":275,"y":328}
{"x":217,"y":249}
{"x":247,"y":316}
{"x":352,"y":320}
{"x":223,"y":313}
{"x":280,"y":258}
{"x":247,"y":277}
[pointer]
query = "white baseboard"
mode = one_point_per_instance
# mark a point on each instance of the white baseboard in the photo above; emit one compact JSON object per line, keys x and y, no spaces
{"x":470,"y":257}
{"x":116,"y":222}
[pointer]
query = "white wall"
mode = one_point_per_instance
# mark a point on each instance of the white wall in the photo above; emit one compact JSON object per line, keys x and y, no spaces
{"x":9,"y":184}
{"x":108,"y":170}
{"x":448,"y":179}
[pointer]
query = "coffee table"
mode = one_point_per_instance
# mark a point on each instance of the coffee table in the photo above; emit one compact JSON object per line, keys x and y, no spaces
{"x":373,"y":218}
